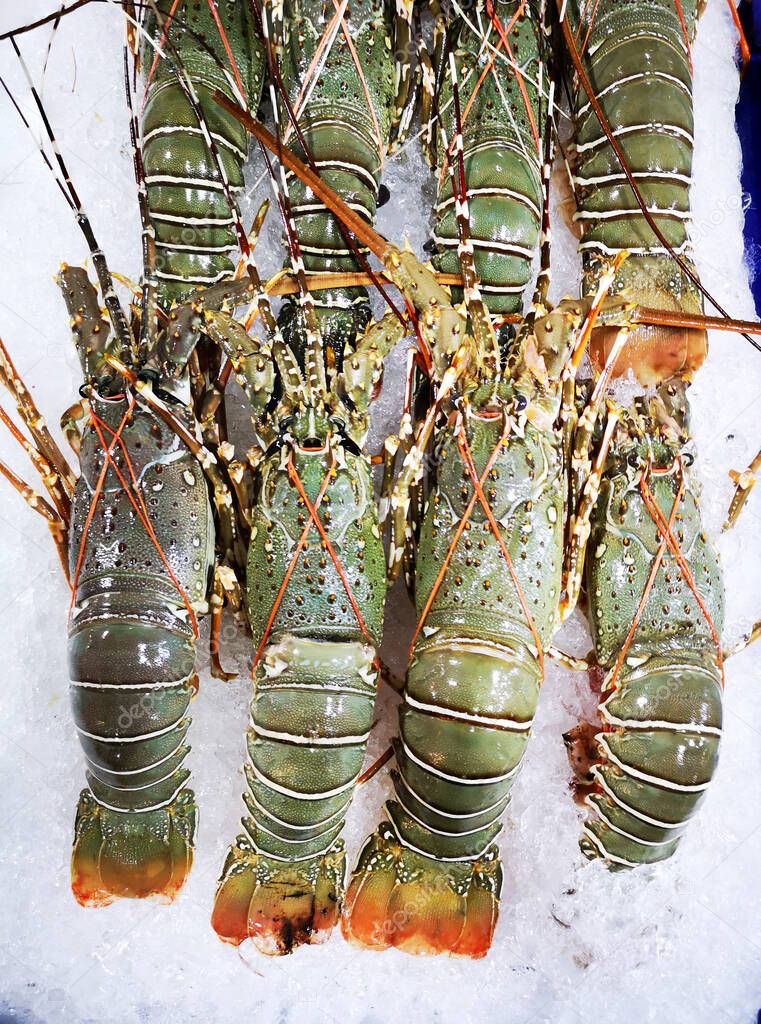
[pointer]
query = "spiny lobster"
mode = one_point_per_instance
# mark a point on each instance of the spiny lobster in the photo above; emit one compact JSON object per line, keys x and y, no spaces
{"x":654,"y":585}
{"x":135,"y":528}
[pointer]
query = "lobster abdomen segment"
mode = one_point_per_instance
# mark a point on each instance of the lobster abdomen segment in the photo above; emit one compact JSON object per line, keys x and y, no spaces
{"x":464,"y":726}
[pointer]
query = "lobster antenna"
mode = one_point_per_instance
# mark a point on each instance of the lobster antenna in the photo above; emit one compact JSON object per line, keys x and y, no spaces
{"x":314,"y":356}
{"x":149,"y":308}
{"x":40,"y":149}
{"x":56,"y":17}
{"x":549,"y":127}
{"x":106,"y":281}
{"x":486,"y":339}
{"x":539,"y":299}
{"x":56,"y":23}
{"x":613,"y":142}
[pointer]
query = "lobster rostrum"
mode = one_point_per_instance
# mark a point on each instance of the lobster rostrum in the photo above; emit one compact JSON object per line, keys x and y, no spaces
{"x":135,"y":528}
{"x":653,"y":580}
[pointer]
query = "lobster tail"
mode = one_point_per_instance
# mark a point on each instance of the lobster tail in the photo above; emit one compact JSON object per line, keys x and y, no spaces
{"x":135,"y":824}
{"x":186,"y":189}
{"x":278,"y":905}
{"x":657,"y":756}
{"x":638,"y":63}
{"x":431,"y":882}
{"x":131,"y":854}
{"x":419,"y":904}
{"x":311,"y":714}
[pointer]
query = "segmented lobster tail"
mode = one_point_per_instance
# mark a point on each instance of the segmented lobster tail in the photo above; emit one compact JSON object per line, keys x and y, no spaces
{"x":195,"y":237}
{"x":315,"y":684}
{"x":637,"y":58}
{"x":344,"y":115}
{"x":116,"y":854}
{"x":661,"y":720}
{"x":500,"y":108}
{"x":134,"y":589}
{"x":283,"y":881}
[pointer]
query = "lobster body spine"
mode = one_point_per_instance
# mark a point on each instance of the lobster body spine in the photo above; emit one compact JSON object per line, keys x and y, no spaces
{"x":194,"y":226}
{"x":132,"y":648}
{"x":661,"y":722}
{"x":502,"y":162}
{"x":310,"y":719}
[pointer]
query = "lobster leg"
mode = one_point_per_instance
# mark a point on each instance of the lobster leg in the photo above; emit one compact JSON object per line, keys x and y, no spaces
{"x":744,"y":484}
{"x":225,"y":589}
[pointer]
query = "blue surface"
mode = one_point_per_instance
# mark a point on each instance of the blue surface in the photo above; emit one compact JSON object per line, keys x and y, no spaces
{"x":749,"y":127}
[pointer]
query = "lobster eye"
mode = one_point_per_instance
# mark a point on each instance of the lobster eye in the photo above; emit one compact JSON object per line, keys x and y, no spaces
{"x":633,"y":459}
{"x":688,"y":458}
{"x":520,"y":402}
